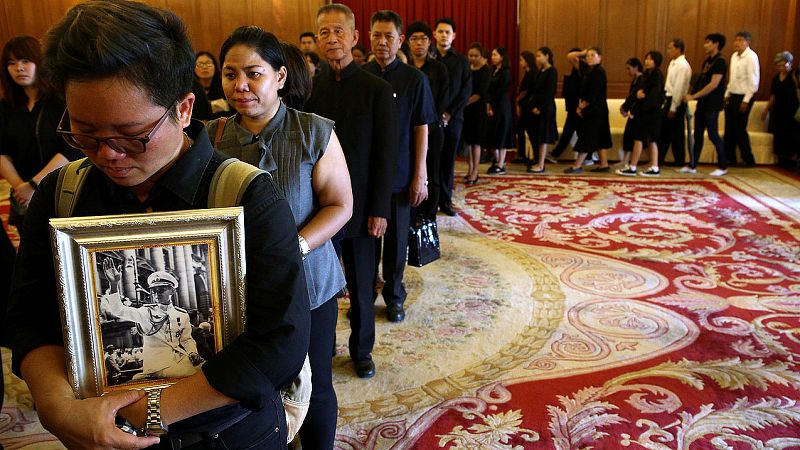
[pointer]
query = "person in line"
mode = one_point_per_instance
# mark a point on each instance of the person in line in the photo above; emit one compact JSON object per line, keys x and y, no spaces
{"x":414,"y":111}
{"x":673,"y":117}
{"x":595,"y":131}
{"x":743,"y":82}
{"x":708,"y":90}
{"x":312,"y":61}
{"x":498,"y":108}
{"x":29,"y":146}
{"x":527,"y":63}
{"x":206,"y":69}
{"x":304,"y":155}
{"x":634,"y":68}
{"x":420,"y":37}
{"x":453,"y":117}
{"x":359,"y":54}
{"x":645,"y":110}
{"x":103,"y":54}
{"x":543,"y":106}
{"x":475,"y":119}
{"x":168,"y":347}
{"x":362,"y":107}
{"x":783,"y":104}
{"x":307,"y":42}
{"x":570,"y":90}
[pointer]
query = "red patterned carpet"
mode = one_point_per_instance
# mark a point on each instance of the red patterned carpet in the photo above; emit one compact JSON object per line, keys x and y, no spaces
{"x":585,"y":313}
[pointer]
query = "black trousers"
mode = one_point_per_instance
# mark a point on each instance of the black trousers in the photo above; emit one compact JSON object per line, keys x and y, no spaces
{"x":395,"y":250}
{"x":358,"y":255}
{"x":706,"y":118}
{"x":673,"y":134}
{"x":319,"y":428}
{"x":570,"y":128}
{"x":527,"y":124}
{"x":452,"y":137}
{"x":736,"y":130}
{"x":433,"y":162}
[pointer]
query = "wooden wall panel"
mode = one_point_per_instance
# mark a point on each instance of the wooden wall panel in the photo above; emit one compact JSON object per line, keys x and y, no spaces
{"x":209,"y":21}
{"x":625,"y":28}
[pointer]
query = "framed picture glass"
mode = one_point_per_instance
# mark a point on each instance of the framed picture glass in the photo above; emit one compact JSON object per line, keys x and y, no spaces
{"x":146,"y":299}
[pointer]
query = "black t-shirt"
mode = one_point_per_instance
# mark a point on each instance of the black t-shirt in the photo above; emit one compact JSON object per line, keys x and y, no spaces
{"x":713,"y":65}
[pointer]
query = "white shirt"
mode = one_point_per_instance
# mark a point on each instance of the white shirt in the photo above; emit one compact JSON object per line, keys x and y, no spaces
{"x":679,"y":75}
{"x":745,"y":74}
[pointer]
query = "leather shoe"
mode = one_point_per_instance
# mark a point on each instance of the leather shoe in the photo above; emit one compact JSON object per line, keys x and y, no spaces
{"x":447,"y":210}
{"x":364,"y":368}
{"x":395,"y":314}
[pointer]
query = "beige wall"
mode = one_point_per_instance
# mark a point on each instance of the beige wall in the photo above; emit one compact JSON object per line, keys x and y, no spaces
{"x":625,"y":28}
{"x":209,"y":21}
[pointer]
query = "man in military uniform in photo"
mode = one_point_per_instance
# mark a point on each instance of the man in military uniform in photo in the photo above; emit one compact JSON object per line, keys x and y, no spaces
{"x":169,"y":349}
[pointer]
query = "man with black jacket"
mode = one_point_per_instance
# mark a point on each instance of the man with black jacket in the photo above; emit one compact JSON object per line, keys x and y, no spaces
{"x":453,"y":116}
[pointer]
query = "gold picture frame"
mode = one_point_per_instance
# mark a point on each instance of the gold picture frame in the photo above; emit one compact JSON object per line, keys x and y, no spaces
{"x":131,"y":287}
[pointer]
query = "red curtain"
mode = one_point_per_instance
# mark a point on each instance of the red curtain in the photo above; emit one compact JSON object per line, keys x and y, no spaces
{"x":493,"y":23}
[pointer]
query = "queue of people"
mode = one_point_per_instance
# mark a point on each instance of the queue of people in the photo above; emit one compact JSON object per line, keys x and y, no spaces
{"x":355,"y":146}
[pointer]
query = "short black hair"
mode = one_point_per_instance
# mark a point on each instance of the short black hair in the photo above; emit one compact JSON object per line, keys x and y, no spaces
{"x":596,"y":49}
{"x":717,"y":38}
{"x":477,"y":46}
{"x":307,"y":34}
{"x":679,"y":44}
{"x":386,"y":15}
{"x":269,"y":48}
{"x":635,"y":62}
{"x":145,"y":46}
{"x":297,"y":88}
{"x":656,"y":56}
{"x":419,"y":27}
{"x":446,"y":20}
{"x":360,"y":48}
{"x":312,"y":56}
{"x":746,"y":35}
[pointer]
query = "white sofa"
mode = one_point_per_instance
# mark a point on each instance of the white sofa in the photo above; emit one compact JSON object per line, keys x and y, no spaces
{"x":760,"y":139}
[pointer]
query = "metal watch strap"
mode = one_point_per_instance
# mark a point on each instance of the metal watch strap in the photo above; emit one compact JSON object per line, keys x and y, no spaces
{"x":305,"y":249}
{"x":153,"y":426}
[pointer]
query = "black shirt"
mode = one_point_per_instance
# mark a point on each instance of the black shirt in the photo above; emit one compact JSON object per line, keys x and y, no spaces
{"x":414,"y":105}
{"x":270,"y":352}
{"x":460,"y":82}
{"x":543,"y":90}
{"x":18,"y":138}
{"x":593,"y":90}
{"x":713,"y":65}
{"x":361,"y":106}
{"x":439,"y":81}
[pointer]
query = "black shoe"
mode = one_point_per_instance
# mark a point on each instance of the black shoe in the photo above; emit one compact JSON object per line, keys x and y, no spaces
{"x":492,"y":169}
{"x":447,"y":210}
{"x":605,"y":169}
{"x":364,"y":368}
{"x":746,"y":165}
{"x":395,"y":314}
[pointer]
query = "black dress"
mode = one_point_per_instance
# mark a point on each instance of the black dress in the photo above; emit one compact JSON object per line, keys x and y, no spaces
{"x":543,"y":97}
{"x":475,"y":114}
{"x":630,"y":100}
{"x":500,"y":130}
{"x":594,"y":132}
{"x":785,"y":130}
{"x":646,"y":126}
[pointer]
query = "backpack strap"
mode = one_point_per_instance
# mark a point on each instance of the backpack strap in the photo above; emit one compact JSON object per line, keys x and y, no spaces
{"x":220,"y":131}
{"x":230,"y":182}
{"x":70,"y":181}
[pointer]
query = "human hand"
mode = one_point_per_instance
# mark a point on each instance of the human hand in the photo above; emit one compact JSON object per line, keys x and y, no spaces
{"x":418,"y":192}
{"x":536,"y":111}
{"x":112,"y":273}
{"x":743,"y":106}
{"x":90,"y":424}
{"x":579,"y":111}
{"x":671,"y":114}
{"x":376,"y":226}
{"x":196,"y":359}
{"x":688,"y":97}
{"x":23,"y":193}
{"x":489,"y":111}
{"x":640,"y":94}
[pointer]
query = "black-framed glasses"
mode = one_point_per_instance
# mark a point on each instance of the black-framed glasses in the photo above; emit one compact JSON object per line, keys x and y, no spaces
{"x":120,"y":144}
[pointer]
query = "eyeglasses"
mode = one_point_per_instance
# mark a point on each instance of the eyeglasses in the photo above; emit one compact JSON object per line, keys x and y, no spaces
{"x":204,"y":64}
{"x":418,"y":39}
{"x":120,"y":144}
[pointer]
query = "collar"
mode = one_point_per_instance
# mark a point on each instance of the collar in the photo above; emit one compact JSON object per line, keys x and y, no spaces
{"x":184,"y":177}
{"x":679,"y":59}
{"x":391,"y":67}
{"x":244,"y":136}
{"x":746,"y":52}
{"x":348,"y":71}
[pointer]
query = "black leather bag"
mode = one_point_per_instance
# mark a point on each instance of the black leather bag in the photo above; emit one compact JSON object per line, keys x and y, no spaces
{"x":423,"y":242}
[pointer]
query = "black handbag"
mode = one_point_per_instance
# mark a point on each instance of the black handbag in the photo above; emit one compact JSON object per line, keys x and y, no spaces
{"x":423,"y":242}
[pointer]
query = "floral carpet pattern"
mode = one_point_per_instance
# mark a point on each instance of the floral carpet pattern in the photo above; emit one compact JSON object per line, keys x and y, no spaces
{"x":582,"y":313}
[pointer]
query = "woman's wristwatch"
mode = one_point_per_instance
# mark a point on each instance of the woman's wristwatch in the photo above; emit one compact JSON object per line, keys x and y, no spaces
{"x":304,"y":247}
{"x":153,"y":425}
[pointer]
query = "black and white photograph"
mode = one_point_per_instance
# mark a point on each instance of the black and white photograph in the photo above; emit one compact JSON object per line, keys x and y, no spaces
{"x":155,"y":312}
